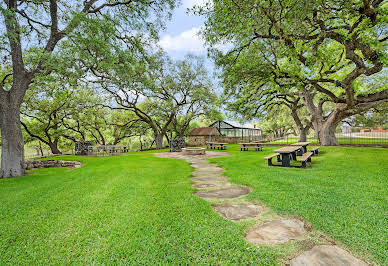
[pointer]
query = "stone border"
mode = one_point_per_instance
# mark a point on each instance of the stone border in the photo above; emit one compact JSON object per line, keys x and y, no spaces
{"x":34,"y":164}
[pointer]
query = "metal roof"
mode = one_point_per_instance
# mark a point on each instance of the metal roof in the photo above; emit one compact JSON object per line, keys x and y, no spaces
{"x":236,"y":125}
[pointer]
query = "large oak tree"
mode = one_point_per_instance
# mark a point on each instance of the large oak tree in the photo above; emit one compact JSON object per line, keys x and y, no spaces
{"x":157,"y":90}
{"x":323,"y":48}
{"x":36,"y":29}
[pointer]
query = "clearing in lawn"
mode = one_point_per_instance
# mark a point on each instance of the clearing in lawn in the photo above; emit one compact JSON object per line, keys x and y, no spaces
{"x":142,"y":209}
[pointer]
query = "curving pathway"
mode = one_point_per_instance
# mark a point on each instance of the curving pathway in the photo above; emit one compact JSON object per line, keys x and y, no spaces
{"x":212,"y":185}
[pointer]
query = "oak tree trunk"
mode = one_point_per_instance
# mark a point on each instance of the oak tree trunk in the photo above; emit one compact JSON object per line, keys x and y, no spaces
{"x":12,"y":150}
{"x":325,"y":126}
{"x":159,"y":141}
{"x":326,"y":134}
{"x":54,"y":147}
{"x":41,"y":149}
{"x":303,"y":134}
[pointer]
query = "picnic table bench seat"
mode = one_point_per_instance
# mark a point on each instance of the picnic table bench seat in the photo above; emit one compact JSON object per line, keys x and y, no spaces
{"x":305,"y":158}
{"x":315,"y":150}
{"x":269,"y":158}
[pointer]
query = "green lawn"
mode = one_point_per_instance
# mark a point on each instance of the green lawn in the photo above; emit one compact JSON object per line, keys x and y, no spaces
{"x":139,"y":209}
{"x":135,"y":209}
{"x":344,"y":194}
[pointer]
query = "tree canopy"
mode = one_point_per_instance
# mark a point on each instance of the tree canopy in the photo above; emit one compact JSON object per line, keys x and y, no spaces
{"x":321,"y":48}
{"x":36,"y":32}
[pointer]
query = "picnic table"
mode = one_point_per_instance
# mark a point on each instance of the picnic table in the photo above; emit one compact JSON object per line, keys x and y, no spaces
{"x":288,"y":153}
{"x":253,"y":145}
{"x":218,"y":145}
{"x":303,"y":144}
{"x":102,"y":149}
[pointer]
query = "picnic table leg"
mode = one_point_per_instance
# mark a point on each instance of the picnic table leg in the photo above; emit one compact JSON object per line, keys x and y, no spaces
{"x":293,"y":155}
{"x":286,"y":159}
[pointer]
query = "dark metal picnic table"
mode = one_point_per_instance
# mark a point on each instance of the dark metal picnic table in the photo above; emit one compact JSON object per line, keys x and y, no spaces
{"x":288,"y":153}
{"x":219,"y":144}
{"x":304,"y":145}
{"x":255,"y":145}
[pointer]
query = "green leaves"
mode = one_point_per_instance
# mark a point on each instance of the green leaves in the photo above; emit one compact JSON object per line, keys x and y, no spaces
{"x":287,"y":46}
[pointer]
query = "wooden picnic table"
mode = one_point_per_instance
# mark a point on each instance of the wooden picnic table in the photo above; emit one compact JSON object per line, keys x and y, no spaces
{"x":246,"y":146}
{"x":107,"y":149}
{"x":212,"y":145}
{"x":288,"y":153}
{"x":303,"y":144}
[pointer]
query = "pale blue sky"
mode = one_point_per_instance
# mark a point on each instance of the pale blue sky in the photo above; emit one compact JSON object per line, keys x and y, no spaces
{"x":181,"y":36}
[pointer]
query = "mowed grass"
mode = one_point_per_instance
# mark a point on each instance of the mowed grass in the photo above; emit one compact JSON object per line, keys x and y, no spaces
{"x":135,"y":209}
{"x":139,"y":209}
{"x":343,"y":194}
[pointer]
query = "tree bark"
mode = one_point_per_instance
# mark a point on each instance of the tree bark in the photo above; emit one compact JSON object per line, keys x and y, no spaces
{"x":54,"y":147}
{"x":303,"y":134}
{"x":325,"y":127}
{"x":12,"y":152}
{"x":326,"y":134}
{"x":159,"y":140}
{"x":41,"y":149}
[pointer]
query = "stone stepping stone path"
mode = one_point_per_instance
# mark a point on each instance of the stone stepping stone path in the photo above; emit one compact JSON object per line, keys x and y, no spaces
{"x":224,"y":193}
{"x":326,"y":255}
{"x":208,"y":171}
{"x":208,"y":178}
{"x":238,"y":212}
{"x":211,"y":185}
{"x":276,"y":232}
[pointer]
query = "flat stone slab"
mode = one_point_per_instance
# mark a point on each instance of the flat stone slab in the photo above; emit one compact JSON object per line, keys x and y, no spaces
{"x":210,"y":185}
{"x":208,"y":178}
{"x":276,"y":232}
{"x":209,"y":171}
{"x":200,"y":165}
{"x":237,"y":212}
{"x":224,"y":193}
{"x":196,"y":161}
{"x":326,"y":255}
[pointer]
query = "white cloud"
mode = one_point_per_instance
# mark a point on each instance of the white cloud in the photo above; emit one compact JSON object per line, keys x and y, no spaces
{"x":187,"y":41}
{"x":191,"y":3}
